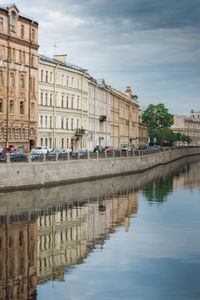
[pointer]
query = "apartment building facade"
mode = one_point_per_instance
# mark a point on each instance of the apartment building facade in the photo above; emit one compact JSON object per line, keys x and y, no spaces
{"x":98,"y":114}
{"x":18,"y":78}
{"x":63,"y":104}
{"x":124,"y":118}
{"x":188,"y":125}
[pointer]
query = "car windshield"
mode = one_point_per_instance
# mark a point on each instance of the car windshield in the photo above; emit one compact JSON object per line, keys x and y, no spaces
{"x":38,"y":148}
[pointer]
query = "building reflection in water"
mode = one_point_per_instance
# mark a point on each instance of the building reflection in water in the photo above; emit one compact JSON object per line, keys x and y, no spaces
{"x":42,"y":245}
{"x":18,"y":257}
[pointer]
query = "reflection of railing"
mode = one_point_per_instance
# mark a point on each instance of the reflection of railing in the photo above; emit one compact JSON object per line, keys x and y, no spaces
{"x":80,"y":132}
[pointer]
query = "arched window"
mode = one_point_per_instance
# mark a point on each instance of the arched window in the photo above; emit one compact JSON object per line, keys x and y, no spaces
{"x":21,"y":108}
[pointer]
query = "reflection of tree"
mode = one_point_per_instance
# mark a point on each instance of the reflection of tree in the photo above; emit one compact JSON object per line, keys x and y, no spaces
{"x":159,"y":190}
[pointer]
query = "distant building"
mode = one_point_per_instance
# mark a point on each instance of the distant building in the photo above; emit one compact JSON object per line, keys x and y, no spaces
{"x":98,"y":114}
{"x":188,"y":125}
{"x":18,"y":78}
{"x":63,"y":104}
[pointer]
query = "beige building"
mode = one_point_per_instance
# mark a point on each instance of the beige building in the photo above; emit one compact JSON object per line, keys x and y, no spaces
{"x":124,"y":117}
{"x":98,"y":114}
{"x":188,"y":125}
{"x":18,"y":78}
{"x":63,"y":104}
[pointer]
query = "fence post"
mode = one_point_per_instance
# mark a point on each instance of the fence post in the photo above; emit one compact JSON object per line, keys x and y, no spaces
{"x":105,"y":154}
{"x":67,"y":156}
{"x":56,"y":156}
{"x":87,"y":154}
{"x":97,"y":154}
{"x":28,"y":157}
{"x":44,"y":157}
{"x":126,"y":153}
{"x":7,"y":158}
{"x":78,"y":155}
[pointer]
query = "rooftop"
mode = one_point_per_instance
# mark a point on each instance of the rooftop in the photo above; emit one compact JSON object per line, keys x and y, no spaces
{"x":6,"y":7}
{"x":68,"y":65}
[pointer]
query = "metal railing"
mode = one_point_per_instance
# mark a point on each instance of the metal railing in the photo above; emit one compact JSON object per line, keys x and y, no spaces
{"x":39,"y":157}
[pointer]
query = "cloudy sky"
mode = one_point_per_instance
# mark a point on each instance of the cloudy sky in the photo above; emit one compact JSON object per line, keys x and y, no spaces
{"x":151,"y":45}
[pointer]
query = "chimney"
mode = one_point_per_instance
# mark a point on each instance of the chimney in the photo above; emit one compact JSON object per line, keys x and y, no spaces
{"x":61,"y":58}
{"x":128,"y":91}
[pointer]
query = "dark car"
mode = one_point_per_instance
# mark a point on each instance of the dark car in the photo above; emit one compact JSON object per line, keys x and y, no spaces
{"x":142,"y":147}
{"x":99,"y":148}
{"x":52,"y":154}
{"x":18,"y":156}
{"x":82,"y":153}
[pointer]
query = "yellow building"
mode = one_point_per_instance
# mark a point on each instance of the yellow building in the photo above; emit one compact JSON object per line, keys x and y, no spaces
{"x":124,"y":118}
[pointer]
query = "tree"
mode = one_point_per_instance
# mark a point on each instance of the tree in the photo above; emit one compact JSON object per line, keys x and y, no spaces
{"x":157,"y":116}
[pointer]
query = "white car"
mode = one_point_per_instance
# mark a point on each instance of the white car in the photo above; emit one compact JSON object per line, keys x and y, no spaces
{"x":42,"y":149}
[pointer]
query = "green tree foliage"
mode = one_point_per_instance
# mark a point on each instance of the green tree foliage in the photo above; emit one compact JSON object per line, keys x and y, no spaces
{"x":157,"y":116}
{"x":158,"y":120}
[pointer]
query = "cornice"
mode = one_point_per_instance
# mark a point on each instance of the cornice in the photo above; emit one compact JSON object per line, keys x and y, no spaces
{"x":7,"y":37}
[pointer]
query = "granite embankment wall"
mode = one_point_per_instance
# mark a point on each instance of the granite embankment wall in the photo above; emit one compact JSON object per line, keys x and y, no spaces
{"x":35,"y":174}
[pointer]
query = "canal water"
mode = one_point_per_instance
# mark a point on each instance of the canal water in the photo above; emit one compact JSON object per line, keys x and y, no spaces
{"x":129,"y":237}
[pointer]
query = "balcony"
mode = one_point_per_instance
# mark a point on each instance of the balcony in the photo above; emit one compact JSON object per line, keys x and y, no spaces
{"x":102,"y":118}
{"x":79,"y":132}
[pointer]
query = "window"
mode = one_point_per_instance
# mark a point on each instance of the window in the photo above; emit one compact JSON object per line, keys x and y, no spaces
{"x":77,"y":123}
{"x":50,"y":122}
{"x":51,"y":102}
{"x":62,"y":143}
{"x":41,"y":75}
{"x":10,"y":242}
{"x":19,"y":133}
{"x":72,"y":124}
{"x":78,"y":102}
{"x":41,"y":98}
{"x":51,"y":77}
{"x":46,"y":99}
{"x":32,"y":60}
{"x":41,"y":121}
{"x":67,"y":104}
{"x":21,"y":107}
{"x":62,"y":123}
{"x":21,"y":81}
{"x":41,"y":142}
{"x":46,"y":121}
{"x":12,"y":21}
{"x":46,"y":141}
{"x":72,"y":81}
{"x":22,"y":31}
{"x":67,"y":124}
{"x":67,"y":80}
{"x":78,"y":83}
{"x":20,"y":238}
{"x":13,"y":133}
{"x":23,"y":133}
{"x":24,"y":56}
{"x":1,"y":24}
{"x":62,"y":101}
{"x":72,"y":104}
{"x":8,"y":133}
{"x":1,"y":78}
{"x":67,"y":143}
{"x":33,"y":35}
{"x":1,"y":105}
{"x":50,"y":142}
{"x":46,"y":76}
{"x":11,"y":80}
{"x":32,"y":109}
{"x":11,"y":107}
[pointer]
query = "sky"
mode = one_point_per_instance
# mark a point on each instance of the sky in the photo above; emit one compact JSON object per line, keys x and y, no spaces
{"x":150,"y":45}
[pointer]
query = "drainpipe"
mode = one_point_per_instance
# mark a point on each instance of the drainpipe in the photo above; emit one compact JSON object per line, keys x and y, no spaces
{"x":54,"y":106}
{"x":8,"y":82}
{"x":94,"y":145}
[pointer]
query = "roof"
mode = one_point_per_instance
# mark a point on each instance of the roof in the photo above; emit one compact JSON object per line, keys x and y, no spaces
{"x":68,"y":65}
{"x":6,"y":7}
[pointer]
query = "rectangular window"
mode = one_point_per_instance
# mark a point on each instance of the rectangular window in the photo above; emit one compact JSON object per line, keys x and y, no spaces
{"x":21,"y":108}
{"x":46,"y":99}
{"x":51,"y":77}
{"x":1,"y":105}
{"x":50,"y":122}
{"x":33,"y":35}
{"x":78,"y":102}
{"x":41,"y":98}
{"x":2,"y":133}
{"x":11,"y":107}
{"x":1,"y":78}
{"x":21,"y":81}
{"x":62,"y":101}
{"x":22,"y":31}
{"x":1,"y":24}
{"x":20,"y":238}
{"x":13,"y":133}
{"x":62,"y":143}
{"x":41,"y":121}
{"x":11,"y":80}
{"x":50,"y":142}
{"x":46,"y":121}
{"x":41,"y":142}
{"x":67,"y":123}
{"x":32,"y":60}
{"x":67,"y":104}
{"x":46,"y":141}
{"x":32,"y":109}
{"x":19,"y":133}
{"x":41,"y":75}
{"x":51,"y":102}
{"x":46,"y":76}
{"x":72,"y":104}
{"x":72,"y":124}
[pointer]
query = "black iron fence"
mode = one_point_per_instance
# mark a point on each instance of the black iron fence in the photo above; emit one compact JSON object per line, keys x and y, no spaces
{"x":39,"y":157}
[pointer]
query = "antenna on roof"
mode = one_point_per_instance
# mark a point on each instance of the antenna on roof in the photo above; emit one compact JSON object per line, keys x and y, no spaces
{"x":54,"y":49}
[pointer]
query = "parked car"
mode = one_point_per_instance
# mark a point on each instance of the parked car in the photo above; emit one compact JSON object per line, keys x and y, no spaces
{"x":60,"y":151}
{"x":127,"y":148}
{"x":110,"y":148}
{"x":17,"y":156}
{"x":142,"y":147}
{"x":154,"y":147}
{"x":99,"y":148}
{"x":2,"y":157}
{"x":42,"y":149}
{"x":9,"y":149}
{"x":82,"y":153}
